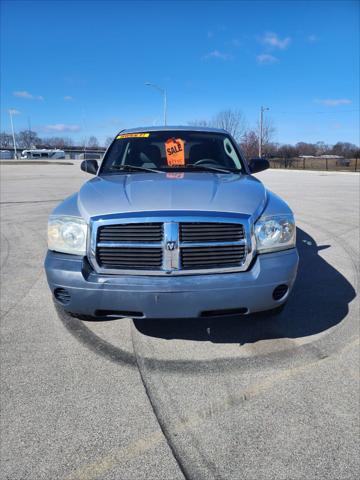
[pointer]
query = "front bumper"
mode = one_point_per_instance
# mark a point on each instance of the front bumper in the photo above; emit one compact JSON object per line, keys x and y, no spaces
{"x":173,"y":296}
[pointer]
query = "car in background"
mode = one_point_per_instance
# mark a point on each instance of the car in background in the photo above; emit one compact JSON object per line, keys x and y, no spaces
{"x":43,"y":153}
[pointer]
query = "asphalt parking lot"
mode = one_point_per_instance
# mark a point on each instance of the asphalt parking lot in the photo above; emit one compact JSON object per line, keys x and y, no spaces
{"x":252,"y":398}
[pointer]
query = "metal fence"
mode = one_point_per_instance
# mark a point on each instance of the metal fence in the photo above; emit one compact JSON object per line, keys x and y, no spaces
{"x":330,"y":164}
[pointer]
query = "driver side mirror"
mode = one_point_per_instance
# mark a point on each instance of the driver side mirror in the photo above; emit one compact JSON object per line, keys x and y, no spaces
{"x":89,"y":166}
{"x":258,"y":165}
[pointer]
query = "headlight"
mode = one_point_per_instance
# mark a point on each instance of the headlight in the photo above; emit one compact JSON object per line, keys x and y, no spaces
{"x":67,"y":234}
{"x":275,"y":233}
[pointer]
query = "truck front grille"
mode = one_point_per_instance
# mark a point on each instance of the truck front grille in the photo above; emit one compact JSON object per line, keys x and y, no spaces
{"x":171,"y":246}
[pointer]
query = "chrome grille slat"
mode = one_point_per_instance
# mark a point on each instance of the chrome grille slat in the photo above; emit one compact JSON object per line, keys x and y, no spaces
{"x":206,"y":243}
{"x":130,"y":244}
{"x":206,"y":254}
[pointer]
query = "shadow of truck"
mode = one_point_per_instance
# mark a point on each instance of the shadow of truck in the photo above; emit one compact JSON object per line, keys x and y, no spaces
{"x":318,"y":302}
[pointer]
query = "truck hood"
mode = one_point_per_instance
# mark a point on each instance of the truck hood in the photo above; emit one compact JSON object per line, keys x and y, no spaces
{"x":149,"y":192}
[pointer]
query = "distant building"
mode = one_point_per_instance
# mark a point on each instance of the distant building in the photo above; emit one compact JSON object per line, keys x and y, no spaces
{"x":5,"y":154}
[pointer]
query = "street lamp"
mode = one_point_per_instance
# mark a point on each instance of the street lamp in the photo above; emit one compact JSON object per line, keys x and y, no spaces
{"x":163,"y":92}
{"x":11,"y":112}
{"x":262,"y":110}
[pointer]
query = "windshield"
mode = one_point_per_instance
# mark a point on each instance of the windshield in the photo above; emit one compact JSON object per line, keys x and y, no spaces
{"x":171,"y":150}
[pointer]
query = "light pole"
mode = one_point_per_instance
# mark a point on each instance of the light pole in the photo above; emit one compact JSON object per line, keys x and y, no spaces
{"x":12,"y":130}
{"x":163,"y":92}
{"x":262,"y":110}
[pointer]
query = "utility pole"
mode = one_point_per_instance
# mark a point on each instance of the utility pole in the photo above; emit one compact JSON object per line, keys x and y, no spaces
{"x":262,"y":110}
{"x":165,"y":107}
{"x":12,"y":130}
{"x":163,"y":92}
{"x":31,"y":145}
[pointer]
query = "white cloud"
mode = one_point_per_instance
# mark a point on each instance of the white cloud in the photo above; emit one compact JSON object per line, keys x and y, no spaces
{"x":62,"y":127}
{"x":266,"y":59}
{"x":23,"y":94}
{"x":27,"y":95}
{"x":333,"y":102}
{"x":68,"y":98}
{"x":273,"y":40}
{"x":216,"y":54}
{"x":13,"y":111}
{"x":312,"y":38}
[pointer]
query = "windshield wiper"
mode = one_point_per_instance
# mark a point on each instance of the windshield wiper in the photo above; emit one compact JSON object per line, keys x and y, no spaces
{"x":135,"y":167}
{"x":215,"y":169}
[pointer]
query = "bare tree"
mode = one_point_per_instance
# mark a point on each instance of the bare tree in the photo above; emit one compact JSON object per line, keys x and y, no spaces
{"x":250,"y":144}
{"x":321,"y":148}
{"x":271,"y":149}
{"x":27,"y":139}
{"x":268,"y":132}
{"x":58,"y":142}
{"x":250,"y":140}
{"x":108,"y":141}
{"x":6,"y":140}
{"x":306,"y":148}
{"x":93,"y":142}
{"x":232,"y":121}
{"x":344,"y":149}
{"x":288,"y":153}
{"x":200,"y":123}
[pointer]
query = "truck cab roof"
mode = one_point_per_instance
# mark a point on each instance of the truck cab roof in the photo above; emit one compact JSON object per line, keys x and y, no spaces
{"x":188,"y":128}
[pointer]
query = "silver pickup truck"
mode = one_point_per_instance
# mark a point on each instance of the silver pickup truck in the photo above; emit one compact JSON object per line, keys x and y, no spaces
{"x":172,"y":225}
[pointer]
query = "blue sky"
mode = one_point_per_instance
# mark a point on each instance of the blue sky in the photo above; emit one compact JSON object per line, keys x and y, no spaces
{"x":78,"y":68}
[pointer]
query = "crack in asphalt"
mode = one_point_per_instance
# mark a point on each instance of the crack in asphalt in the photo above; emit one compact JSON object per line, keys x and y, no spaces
{"x":162,"y":425}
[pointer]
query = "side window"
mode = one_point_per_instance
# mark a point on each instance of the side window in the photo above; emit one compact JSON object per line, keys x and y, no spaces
{"x":230,"y":152}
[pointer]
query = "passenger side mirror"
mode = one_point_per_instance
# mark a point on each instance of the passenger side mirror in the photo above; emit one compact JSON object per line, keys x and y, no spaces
{"x":258,"y":165}
{"x":90,"y":166}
